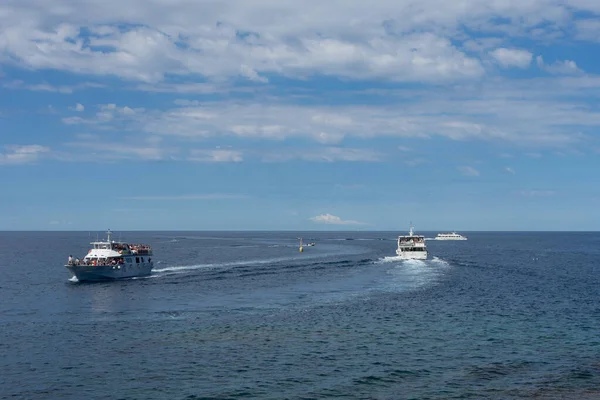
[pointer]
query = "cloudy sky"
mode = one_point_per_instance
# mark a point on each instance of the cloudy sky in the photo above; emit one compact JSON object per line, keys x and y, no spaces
{"x":302,"y":115}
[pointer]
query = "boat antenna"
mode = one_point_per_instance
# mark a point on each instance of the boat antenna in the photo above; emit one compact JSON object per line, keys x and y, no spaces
{"x":411,"y":229}
{"x":108,"y":232}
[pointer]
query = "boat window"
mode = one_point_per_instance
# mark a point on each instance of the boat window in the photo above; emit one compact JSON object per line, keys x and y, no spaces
{"x":142,"y":259}
{"x":137,"y":260}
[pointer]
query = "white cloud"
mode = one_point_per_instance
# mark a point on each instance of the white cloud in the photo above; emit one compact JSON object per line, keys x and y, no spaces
{"x":46,"y":87}
{"x":78,"y":107}
{"x":406,"y":40}
{"x":16,"y":154}
{"x":323,"y":154}
{"x":509,"y":170}
{"x":216,"y":51}
{"x":186,"y":103}
{"x":588,"y":29}
{"x":460,"y":113}
{"x":512,"y":57}
{"x":92,"y":149}
{"x":468,"y":171}
{"x":216,"y":156}
{"x":333,"y":220}
{"x":565,"y":67}
{"x":60,"y":222}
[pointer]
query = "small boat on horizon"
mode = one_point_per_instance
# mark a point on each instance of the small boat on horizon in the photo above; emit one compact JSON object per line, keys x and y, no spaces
{"x":450,"y":236}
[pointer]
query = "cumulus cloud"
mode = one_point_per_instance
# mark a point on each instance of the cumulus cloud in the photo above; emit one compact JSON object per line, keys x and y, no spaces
{"x":243,"y":49}
{"x":407,"y":40}
{"x":404,"y":41}
{"x":78,"y":107}
{"x":333,"y":220}
{"x":565,"y":67}
{"x":508,"y":58}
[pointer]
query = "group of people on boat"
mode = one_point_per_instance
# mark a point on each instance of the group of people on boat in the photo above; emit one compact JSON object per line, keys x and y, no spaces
{"x":95,"y":262}
{"x":412,"y":240}
{"x":140,"y":248}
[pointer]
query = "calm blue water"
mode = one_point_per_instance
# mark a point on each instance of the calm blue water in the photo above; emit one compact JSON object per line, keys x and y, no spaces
{"x":245,"y":315}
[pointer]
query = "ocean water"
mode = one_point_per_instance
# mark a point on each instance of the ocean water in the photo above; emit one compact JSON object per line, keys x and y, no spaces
{"x":246,"y":316}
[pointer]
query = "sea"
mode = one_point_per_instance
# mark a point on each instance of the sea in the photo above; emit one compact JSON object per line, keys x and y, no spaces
{"x":246,"y":315}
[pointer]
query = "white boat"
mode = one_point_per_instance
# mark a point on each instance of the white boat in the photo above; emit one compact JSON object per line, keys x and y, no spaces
{"x":412,"y":247}
{"x":110,"y":260}
{"x":450,"y":236}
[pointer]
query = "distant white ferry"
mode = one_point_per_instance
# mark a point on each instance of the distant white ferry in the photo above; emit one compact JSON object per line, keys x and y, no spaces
{"x":450,"y":236}
{"x":412,"y":247}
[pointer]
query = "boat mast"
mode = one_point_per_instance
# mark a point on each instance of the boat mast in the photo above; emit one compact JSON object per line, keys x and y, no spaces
{"x":411,"y":229}
{"x":108,"y":232}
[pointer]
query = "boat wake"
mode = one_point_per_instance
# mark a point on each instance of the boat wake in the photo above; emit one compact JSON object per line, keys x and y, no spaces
{"x":178,"y":269}
{"x":412,"y":274}
{"x":398,"y":259}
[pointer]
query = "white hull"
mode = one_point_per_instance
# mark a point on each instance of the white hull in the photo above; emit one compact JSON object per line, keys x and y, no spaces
{"x":412,"y":255}
{"x":412,"y":247}
{"x":450,"y":238}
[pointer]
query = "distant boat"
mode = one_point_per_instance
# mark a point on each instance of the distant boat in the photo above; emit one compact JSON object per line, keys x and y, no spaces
{"x":412,"y":247}
{"x":110,"y":260}
{"x":450,"y":236}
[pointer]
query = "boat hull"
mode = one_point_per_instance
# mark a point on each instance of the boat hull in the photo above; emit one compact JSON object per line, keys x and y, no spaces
{"x":443,"y":238}
{"x":412,"y":255}
{"x":91,"y":273}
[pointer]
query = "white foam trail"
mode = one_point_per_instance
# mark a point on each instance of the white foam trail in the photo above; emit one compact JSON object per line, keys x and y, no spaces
{"x":73,"y":279}
{"x":415,"y":263}
{"x":184,"y":268}
{"x":187,"y":267}
{"x":389,"y":259}
{"x":398,"y":259}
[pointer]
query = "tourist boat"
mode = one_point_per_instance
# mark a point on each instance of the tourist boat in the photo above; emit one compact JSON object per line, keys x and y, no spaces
{"x":412,"y":247}
{"x":450,"y":236}
{"x":111,"y":260}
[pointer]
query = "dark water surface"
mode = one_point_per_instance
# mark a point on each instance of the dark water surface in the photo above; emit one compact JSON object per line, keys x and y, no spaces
{"x":245,"y":315}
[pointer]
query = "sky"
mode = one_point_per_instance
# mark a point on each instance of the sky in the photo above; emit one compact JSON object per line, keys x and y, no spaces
{"x":299,"y":115}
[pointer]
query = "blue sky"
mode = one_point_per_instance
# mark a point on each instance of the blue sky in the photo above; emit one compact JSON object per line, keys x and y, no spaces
{"x":469,"y":115}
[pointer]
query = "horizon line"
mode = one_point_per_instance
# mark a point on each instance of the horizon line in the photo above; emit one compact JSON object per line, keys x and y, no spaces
{"x":291,"y":230}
